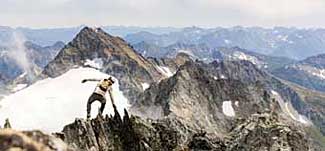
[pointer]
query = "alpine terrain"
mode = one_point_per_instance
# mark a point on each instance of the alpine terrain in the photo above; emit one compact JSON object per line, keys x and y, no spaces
{"x":178,"y":101}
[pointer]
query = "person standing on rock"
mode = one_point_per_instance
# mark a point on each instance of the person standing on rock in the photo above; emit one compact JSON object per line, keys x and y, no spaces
{"x":7,"y":124}
{"x":103,"y":86}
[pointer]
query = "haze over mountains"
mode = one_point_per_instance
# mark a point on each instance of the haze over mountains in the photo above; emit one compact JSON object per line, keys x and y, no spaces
{"x":293,"y":43}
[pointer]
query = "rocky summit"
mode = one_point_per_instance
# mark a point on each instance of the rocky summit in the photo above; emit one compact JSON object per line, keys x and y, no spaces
{"x":131,"y":133}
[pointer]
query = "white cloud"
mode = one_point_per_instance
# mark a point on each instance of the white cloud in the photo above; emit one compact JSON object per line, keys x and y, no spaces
{"x":166,"y":12}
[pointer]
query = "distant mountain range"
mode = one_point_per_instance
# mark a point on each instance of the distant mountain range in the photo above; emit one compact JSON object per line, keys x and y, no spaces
{"x":309,"y":72}
{"x":292,"y":43}
{"x":279,"y":41}
{"x":278,"y":50}
{"x":46,"y":37}
{"x":208,"y":54}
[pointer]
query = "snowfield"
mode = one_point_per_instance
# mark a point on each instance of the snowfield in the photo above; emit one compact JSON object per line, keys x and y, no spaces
{"x":227,"y":108}
{"x":165,"y":70}
{"x":145,"y":86}
{"x":96,"y":63}
{"x":50,"y":104}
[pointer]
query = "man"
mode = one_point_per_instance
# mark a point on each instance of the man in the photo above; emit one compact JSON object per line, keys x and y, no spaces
{"x":102,"y":87}
{"x":7,"y":124}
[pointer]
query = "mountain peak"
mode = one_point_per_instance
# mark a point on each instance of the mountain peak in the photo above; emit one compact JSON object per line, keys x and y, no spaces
{"x":114,"y":56}
{"x":90,"y":29}
{"x":91,"y":34}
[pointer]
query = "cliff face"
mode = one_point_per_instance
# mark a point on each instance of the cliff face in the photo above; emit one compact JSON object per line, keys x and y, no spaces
{"x":266,"y":132}
{"x":210,"y":96}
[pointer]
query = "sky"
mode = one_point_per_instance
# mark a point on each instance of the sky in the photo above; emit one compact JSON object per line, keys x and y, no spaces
{"x":149,"y":13}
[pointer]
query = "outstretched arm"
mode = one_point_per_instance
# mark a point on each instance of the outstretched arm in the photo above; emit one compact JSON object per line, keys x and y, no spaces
{"x":85,"y":80}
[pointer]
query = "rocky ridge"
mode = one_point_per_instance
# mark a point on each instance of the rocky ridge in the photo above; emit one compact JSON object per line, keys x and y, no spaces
{"x":133,"y":133}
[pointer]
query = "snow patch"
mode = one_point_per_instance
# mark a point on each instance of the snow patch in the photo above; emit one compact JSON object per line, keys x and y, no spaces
{"x":236,"y":103}
{"x":283,"y":38}
{"x":145,"y":86}
{"x":288,"y":109}
{"x":186,"y":51}
{"x":319,"y":73}
{"x":95,"y":63}
{"x":227,"y":41}
{"x":165,"y":70}
{"x":227,"y":108}
{"x":242,"y":56}
{"x":222,"y":76}
{"x":50,"y":104}
{"x":295,"y":115}
{"x":22,"y":75}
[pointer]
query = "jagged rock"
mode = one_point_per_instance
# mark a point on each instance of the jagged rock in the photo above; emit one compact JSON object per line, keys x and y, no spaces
{"x":200,"y":142}
{"x":123,"y":134}
{"x":258,"y":132}
{"x":265,"y":132}
{"x":196,"y":94}
{"x":30,"y":141}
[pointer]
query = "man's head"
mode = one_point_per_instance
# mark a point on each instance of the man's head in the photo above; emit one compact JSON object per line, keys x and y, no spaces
{"x":110,"y":79}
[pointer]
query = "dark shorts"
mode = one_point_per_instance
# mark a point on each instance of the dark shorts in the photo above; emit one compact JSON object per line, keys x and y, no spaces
{"x":95,"y":97}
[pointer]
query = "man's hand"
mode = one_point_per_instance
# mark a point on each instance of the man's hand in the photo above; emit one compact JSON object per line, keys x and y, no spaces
{"x":83,"y":81}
